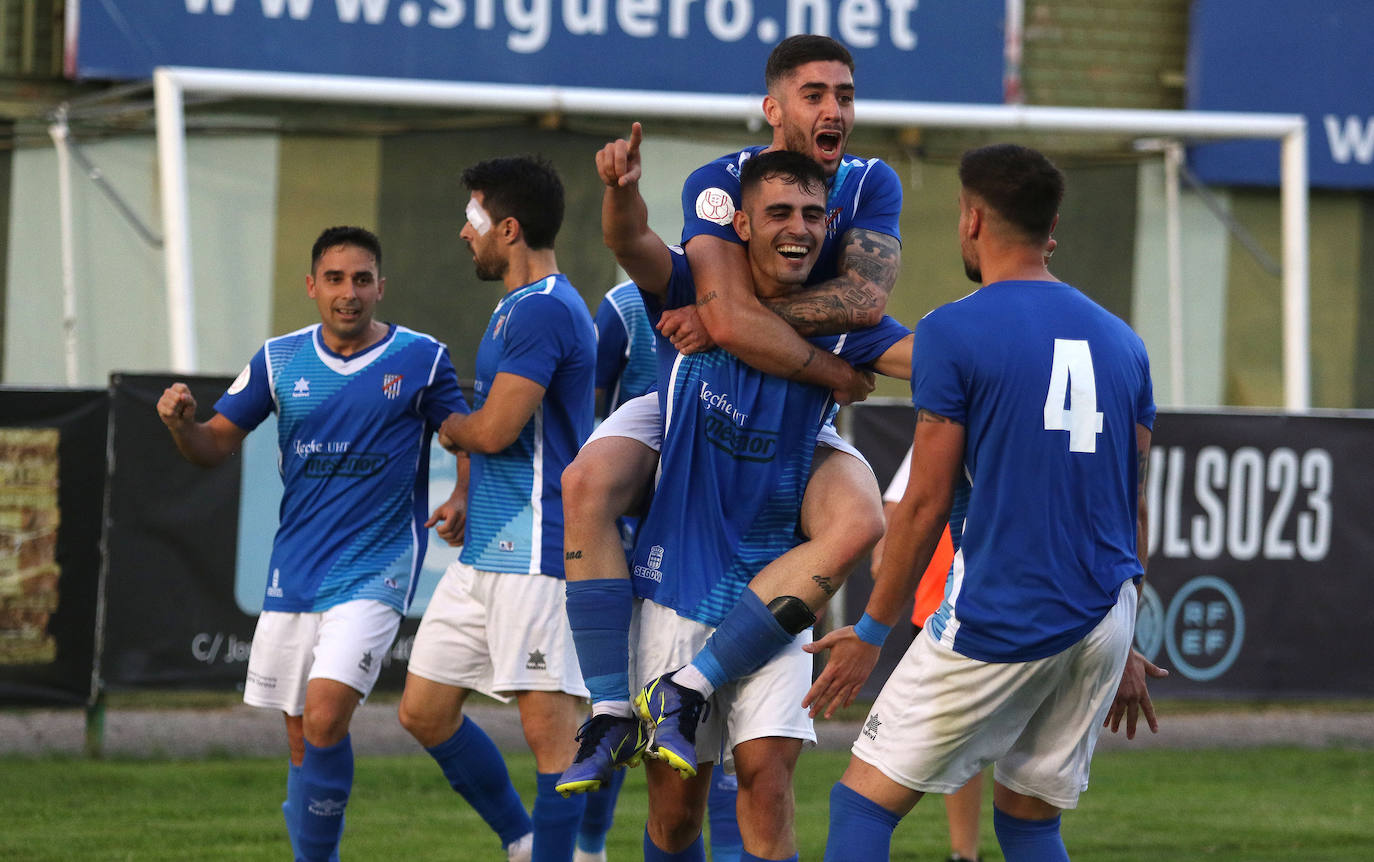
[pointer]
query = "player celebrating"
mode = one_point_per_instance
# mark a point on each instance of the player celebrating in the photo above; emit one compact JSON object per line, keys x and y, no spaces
{"x":357,"y":401}
{"x":496,"y":623}
{"x":1043,"y":400}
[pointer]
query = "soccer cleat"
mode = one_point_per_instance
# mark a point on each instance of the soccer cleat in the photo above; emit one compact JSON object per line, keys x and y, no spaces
{"x":609,"y":742}
{"x":672,"y":713}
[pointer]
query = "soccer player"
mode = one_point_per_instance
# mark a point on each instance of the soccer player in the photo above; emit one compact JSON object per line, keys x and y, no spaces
{"x":736,"y":453}
{"x":810,"y":107}
{"x":496,"y":623}
{"x":1042,"y":400}
{"x":357,"y":401}
{"x":625,"y":365}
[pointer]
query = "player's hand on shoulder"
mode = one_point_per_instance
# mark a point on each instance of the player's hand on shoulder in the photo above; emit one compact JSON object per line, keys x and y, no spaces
{"x":1133,"y":696}
{"x":177,"y":407}
{"x":683,"y":327}
{"x":851,"y":661}
{"x":618,"y":163}
{"x":858,"y":388}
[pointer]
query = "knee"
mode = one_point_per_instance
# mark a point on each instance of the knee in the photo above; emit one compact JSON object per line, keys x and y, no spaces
{"x":852,"y":533}
{"x":324,"y":726}
{"x":674,"y":828}
{"x":766,"y":791}
{"x":427,"y":726}
{"x":588,"y":489}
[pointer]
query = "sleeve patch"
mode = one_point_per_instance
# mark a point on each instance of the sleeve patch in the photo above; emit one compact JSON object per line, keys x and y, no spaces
{"x":242,"y":380}
{"x":715,"y":205}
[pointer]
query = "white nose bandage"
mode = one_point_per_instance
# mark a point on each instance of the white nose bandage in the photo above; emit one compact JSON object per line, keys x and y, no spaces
{"x":477,"y":217}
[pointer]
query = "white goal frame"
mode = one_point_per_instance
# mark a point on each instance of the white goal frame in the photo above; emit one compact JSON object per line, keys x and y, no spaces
{"x":172,"y":84}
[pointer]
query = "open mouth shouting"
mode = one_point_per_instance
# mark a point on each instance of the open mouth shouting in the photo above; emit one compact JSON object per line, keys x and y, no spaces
{"x":829,"y":144}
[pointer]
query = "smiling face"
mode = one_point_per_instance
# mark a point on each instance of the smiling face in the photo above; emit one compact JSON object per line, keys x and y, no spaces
{"x":784,"y":224}
{"x":811,"y":110}
{"x":346,"y":288}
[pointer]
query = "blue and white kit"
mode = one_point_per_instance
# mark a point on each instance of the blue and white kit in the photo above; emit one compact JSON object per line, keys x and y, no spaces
{"x":353,"y":435}
{"x":541,"y":332}
{"x":624,"y":346}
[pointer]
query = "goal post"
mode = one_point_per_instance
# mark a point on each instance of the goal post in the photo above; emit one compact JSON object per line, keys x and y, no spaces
{"x":172,"y":84}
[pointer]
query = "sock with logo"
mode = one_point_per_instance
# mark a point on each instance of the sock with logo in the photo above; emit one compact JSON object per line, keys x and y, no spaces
{"x":743,"y":642}
{"x":860,"y":829}
{"x":600,"y":815}
{"x":721,"y":804}
{"x":695,"y":852}
{"x":1029,"y":840}
{"x":474,"y":767}
{"x":326,"y":780}
{"x":555,"y":819}
{"x":599,"y":613}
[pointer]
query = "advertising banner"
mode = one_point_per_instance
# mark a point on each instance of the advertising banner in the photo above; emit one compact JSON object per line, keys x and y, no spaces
{"x":52,"y":469}
{"x":1307,"y":58}
{"x":936,"y":50}
{"x":1261,"y":531}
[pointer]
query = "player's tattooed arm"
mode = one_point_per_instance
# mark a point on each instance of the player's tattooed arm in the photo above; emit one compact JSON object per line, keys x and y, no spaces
{"x":854,"y":299}
{"x":824,"y":584}
{"x":924,"y":415}
{"x":1142,"y":455}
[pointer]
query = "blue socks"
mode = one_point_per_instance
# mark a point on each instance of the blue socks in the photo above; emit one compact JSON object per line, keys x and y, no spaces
{"x":1029,"y":840}
{"x":600,"y":814}
{"x":726,"y":844}
{"x":326,"y":778}
{"x":290,"y":809}
{"x":599,"y":613}
{"x":695,"y":852}
{"x":860,"y":829}
{"x":474,"y":767}
{"x":750,"y":857}
{"x":555,"y":819}
{"x":743,"y":642}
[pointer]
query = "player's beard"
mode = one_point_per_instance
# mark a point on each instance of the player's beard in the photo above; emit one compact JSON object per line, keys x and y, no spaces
{"x":972,"y":270}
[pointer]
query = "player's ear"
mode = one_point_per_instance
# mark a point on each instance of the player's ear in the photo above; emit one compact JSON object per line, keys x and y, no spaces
{"x":741,"y":222}
{"x":381,"y":287}
{"x":310,"y":286}
{"x":772,"y":111}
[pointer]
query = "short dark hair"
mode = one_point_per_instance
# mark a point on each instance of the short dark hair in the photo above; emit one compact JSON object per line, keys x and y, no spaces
{"x":335,"y":236}
{"x":799,"y":50}
{"x":525,"y":188}
{"x":791,"y":167}
{"x":1023,"y":186}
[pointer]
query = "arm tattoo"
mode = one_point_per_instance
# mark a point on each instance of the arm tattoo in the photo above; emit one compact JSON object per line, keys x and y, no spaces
{"x":868,"y":269}
{"x":823,"y":582}
{"x":573,"y":555}
{"x":710,"y":297}
{"x":1142,"y":470}
{"x":924,"y":415}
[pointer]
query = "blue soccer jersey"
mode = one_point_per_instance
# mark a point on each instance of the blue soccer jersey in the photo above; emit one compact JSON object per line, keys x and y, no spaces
{"x":736,"y":458}
{"x":864,"y":194}
{"x":1049,"y":387}
{"x":624,"y":346}
{"x":353,"y":436}
{"x":541,"y":332}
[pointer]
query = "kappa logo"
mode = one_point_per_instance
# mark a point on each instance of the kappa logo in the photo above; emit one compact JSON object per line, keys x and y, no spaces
{"x":536,"y":661}
{"x":327,"y":807}
{"x":391,"y":385}
{"x":871,"y":727}
{"x":715,"y":205}
{"x":366,"y":664}
{"x":302,"y":389}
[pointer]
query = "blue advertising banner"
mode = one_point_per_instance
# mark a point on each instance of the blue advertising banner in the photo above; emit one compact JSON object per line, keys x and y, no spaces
{"x":936,"y":50}
{"x":1310,"y":58}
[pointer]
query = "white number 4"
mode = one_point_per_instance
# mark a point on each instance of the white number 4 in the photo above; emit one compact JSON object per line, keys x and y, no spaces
{"x":1072,"y":375}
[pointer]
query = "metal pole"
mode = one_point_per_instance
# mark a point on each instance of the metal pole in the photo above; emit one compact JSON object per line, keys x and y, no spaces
{"x":58,"y":131}
{"x":1173,"y":228}
{"x":1293,"y":201}
{"x":171,"y":159}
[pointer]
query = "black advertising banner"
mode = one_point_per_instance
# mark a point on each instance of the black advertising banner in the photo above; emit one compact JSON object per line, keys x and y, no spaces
{"x":52,"y":472}
{"x":176,"y":614}
{"x":1261,"y":537}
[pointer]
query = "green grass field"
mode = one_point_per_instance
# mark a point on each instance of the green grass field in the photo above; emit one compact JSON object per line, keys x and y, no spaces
{"x":1248,"y":805}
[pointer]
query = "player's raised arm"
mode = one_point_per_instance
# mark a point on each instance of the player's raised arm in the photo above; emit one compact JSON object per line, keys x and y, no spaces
{"x":857,"y":297}
{"x":625,"y":217}
{"x":205,"y":444}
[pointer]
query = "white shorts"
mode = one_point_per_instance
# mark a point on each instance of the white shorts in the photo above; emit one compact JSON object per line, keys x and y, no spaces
{"x":639,"y":419}
{"x":941,"y":717}
{"x":346,"y":643}
{"x":497,"y":633}
{"x":765,"y":703}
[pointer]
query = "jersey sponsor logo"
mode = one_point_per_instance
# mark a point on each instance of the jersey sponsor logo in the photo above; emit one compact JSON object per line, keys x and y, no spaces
{"x":742,"y":444}
{"x":651,"y":571}
{"x":721,"y":401}
{"x":301,"y":389}
{"x":536,"y":661}
{"x":391,"y":385}
{"x":241,"y":381}
{"x":715,"y":205}
{"x":871,"y":727}
{"x":325,"y":465}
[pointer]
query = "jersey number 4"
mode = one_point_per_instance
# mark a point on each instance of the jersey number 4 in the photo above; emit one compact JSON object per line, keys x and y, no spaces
{"x":1071,"y":403}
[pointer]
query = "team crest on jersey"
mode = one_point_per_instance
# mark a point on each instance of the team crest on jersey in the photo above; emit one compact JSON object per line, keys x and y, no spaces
{"x":715,"y":205}
{"x":391,"y":385}
{"x":832,"y":218}
{"x":496,"y":330}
